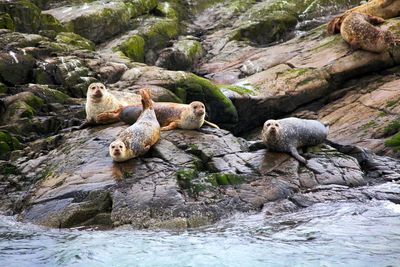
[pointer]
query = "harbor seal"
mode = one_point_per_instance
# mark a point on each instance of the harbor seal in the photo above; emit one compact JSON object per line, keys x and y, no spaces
{"x":384,"y":9}
{"x":99,"y":100}
{"x":358,"y":31}
{"x":137,"y":139}
{"x":169,"y":115}
{"x":286,"y":135}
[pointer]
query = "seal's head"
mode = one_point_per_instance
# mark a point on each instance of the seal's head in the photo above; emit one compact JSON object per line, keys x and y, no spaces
{"x":96,"y":91}
{"x":271,"y":129}
{"x":118,"y":150}
{"x":198,"y":108}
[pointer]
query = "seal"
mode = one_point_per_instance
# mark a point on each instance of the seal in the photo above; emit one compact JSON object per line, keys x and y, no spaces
{"x":384,"y":9}
{"x":137,"y":139}
{"x":170,"y":115}
{"x":286,"y":135}
{"x":358,"y":31}
{"x":98,"y":100}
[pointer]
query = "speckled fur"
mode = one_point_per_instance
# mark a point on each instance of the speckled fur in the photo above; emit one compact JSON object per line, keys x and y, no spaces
{"x":292,"y":133}
{"x":95,"y":106}
{"x":140,"y":136}
{"x":358,"y":31}
{"x":384,"y":9}
{"x":169,"y":115}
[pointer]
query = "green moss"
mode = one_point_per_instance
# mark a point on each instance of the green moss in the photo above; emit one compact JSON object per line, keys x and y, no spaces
{"x":220,"y":108}
{"x":185,"y":177}
{"x":8,"y":143}
{"x":27,"y":16}
{"x":392,"y":103}
{"x":159,"y":33}
{"x":4,"y":149}
{"x":75,"y":40}
{"x":50,"y":23}
{"x":9,"y":169}
{"x":368,"y":125}
{"x":238,"y":89}
{"x":225,"y":179}
{"x":3,"y":88}
{"x":34,"y":102}
{"x":393,"y":142}
{"x":166,"y":9}
{"x":393,"y":127}
{"x":6,"y":21}
{"x":134,"y":48}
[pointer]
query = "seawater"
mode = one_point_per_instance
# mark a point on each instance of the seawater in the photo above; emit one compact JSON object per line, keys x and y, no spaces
{"x":327,"y":234}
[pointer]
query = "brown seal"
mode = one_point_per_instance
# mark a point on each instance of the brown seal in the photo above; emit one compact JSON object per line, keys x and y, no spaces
{"x":170,"y":115}
{"x":137,"y":139}
{"x":286,"y":135}
{"x":99,"y":100}
{"x":384,"y":9}
{"x":359,"y":31}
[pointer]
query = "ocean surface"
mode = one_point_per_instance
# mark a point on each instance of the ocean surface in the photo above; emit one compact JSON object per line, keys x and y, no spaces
{"x":327,"y":234}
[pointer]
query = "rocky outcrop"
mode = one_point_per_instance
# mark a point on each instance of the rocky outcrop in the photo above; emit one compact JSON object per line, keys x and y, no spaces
{"x":189,"y":178}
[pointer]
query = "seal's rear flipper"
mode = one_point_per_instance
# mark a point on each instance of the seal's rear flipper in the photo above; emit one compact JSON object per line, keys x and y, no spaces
{"x":146,"y":98}
{"x":211,"y":124}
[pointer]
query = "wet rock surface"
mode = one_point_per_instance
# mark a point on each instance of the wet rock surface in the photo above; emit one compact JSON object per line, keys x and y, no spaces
{"x":248,"y":61}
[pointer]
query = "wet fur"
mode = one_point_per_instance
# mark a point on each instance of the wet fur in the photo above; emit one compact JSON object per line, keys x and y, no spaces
{"x":170,"y":115}
{"x":140,"y":136}
{"x":358,"y":31}
{"x":293,"y":133}
{"x":385,"y":9}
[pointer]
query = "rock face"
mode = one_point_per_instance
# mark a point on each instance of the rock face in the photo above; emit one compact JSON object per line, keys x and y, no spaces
{"x":190,"y":178}
{"x":248,"y":61}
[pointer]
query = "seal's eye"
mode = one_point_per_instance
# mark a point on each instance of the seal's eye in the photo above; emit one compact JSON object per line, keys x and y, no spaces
{"x":91,"y":88}
{"x":112,"y":146}
{"x":120,"y":146}
{"x":268,"y":124}
{"x":101,"y":87}
{"x":276,"y":125}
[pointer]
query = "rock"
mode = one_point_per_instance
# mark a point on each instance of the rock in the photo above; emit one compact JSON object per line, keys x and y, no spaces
{"x":98,"y":21}
{"x":16,"y":68}
{"x":142,"y":44}
{"x":183,"y":55}
{"x":75,"y":40}
{"x":27,"y":17}
{"x":188,"y":179}
{"x":6,"y":21}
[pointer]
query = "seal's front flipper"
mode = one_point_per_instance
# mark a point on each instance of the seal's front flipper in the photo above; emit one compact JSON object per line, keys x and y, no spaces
{"x":296,"y":155}
{"x":171,"y":126}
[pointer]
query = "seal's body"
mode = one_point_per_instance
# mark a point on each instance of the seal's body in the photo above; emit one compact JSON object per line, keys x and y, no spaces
{"x":359,"y":31}
{"x":286,"y":135}
{"x":384,"y":9}
{"x":99,"y":100}
{"x":170,"y":115}
{"x":137,"y":139}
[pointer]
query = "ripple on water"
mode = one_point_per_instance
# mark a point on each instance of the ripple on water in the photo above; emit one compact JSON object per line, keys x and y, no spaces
{"x":327,"y":234}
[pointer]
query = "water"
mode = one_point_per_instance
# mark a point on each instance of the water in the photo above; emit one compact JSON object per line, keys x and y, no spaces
{"x":329,"y":234}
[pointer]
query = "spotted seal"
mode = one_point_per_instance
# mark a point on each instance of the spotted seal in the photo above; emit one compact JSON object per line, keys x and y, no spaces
{"x":137,"y":139}
{"x":286,"y":135}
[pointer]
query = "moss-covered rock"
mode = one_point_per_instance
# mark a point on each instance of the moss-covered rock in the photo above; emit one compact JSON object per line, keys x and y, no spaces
{"x":16,"y":68}
{"x":270,"y":21}
{"x":225,"y":179}
{"x":50,"y":23}
{"x":219,"y":107}
{"x":393,"y":142}
{"x":182,"y":56}
{"x":6,"y":21}
{"x":26,"y":15}
{"x":3,"y":88}
{"x":133,"y":48}
{"x":8,"y":143}
{"x":100,"y":20}
{"x":75,"y":40}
